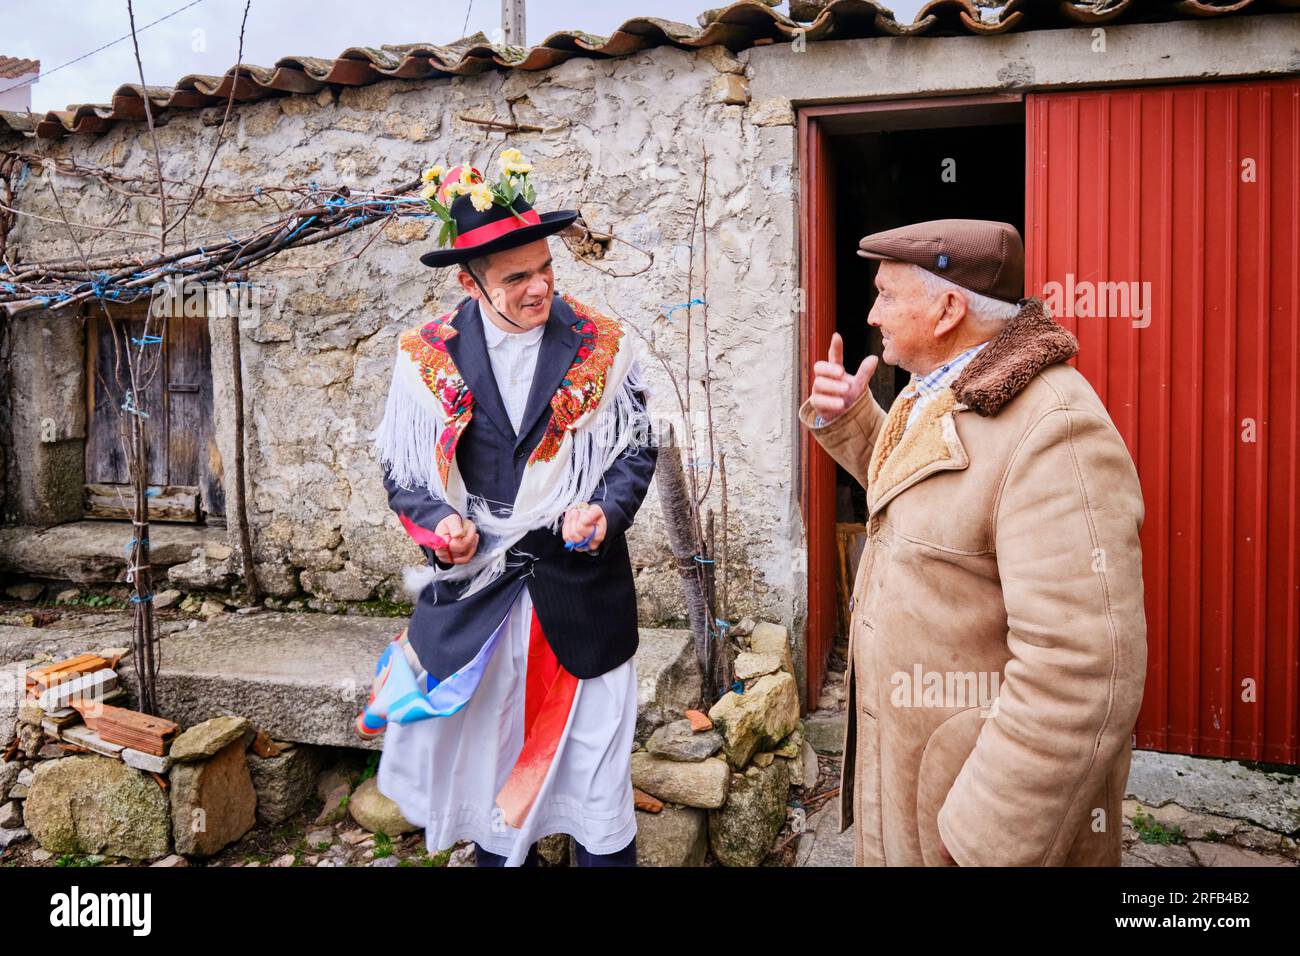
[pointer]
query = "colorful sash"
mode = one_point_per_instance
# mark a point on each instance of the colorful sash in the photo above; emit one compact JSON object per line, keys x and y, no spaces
{"x":397,"y":695}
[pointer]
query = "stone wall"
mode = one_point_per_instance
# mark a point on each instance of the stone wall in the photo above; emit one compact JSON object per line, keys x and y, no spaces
{"x":624,"y":141}
{"x":44,"y":416}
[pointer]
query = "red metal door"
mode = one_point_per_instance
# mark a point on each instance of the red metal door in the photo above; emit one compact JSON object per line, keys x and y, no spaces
{"x":1194,"y":191}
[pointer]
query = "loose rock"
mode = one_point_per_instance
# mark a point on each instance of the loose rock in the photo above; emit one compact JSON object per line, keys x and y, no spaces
{"x":92,"y":804}
{"x":319,"y":836}
{"x":750,"y":665}
{"x":208,"y":738}
{"x":696,"y":784}
{"x":678,"y":836}
{"x":770,"y":638}
{"x":677,"y":741}
{"x":375,"y":812}
{"x":742,"y":832}
{"x":213,"y":802}
{"x":283,"y":782}
{"x":11,"y":815}
{"x":759,"y":718}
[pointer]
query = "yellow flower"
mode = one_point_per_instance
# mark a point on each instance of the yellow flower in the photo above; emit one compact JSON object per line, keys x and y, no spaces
{"x":480,"y":195}
{"x":456,"y":189}
{"x":467,"y":176}
{"x":433,"y":173}
{"x":512,"y":161}
{"x":430,"y":191}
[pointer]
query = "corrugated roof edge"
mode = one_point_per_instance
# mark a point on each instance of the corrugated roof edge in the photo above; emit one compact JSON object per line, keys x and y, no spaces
{"x":737,"y":26}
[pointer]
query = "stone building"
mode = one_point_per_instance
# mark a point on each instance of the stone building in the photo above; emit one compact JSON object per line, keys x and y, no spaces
{"x":815,"y":131}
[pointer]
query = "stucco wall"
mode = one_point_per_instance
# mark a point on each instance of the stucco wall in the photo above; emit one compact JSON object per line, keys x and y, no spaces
{"x":624,"y":142}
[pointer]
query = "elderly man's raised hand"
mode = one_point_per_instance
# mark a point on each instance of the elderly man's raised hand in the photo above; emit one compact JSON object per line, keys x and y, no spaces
{"x":834,"y":389}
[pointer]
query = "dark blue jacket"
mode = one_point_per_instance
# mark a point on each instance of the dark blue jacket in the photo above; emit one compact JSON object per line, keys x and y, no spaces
{"x":586,"y":602}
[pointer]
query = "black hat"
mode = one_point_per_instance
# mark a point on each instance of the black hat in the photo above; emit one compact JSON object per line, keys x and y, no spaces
{"x":480,"y":232}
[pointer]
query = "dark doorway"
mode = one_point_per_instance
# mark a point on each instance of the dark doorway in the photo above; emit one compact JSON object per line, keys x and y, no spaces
{"x":865,"y":167}
{"x":893,"y":178}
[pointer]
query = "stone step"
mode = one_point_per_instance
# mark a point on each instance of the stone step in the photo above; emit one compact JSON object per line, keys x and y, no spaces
{"x":1223,"y":787}
{"x":299,"y":677}
{"x":305,"y":677}
{"x":94,"y":552}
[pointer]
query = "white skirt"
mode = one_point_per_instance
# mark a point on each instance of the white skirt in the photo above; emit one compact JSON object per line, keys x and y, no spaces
{"x":444,"y":773}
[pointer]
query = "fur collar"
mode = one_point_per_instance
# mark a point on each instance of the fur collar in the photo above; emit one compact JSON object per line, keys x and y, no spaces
{"x":1027,"y":344}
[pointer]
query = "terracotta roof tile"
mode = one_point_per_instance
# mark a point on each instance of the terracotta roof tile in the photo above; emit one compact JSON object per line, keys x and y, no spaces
{"x":737,"y":26}
{"x":11,"y":66}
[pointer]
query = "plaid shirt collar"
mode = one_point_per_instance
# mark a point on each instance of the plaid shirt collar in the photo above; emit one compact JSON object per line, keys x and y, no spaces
{"x":927,"y":386}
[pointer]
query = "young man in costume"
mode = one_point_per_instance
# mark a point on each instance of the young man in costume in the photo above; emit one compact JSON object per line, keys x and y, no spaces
{"x":516,"y":450}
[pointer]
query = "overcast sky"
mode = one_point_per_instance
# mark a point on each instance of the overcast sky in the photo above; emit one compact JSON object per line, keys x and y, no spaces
{"x":59,"y":31}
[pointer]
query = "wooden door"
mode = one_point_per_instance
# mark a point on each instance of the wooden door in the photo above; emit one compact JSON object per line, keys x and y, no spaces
{"x":175,"y":385}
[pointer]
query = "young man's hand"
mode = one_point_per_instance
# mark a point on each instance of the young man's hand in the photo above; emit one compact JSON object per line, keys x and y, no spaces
{"x":462,"y":540}
{"x":580,"y":522}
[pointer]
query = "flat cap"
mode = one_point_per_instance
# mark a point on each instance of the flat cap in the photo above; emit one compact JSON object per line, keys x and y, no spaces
{"x":978,"y":254}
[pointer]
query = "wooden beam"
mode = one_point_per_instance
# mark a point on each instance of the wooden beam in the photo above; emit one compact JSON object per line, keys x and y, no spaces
{"x":117,"y":502}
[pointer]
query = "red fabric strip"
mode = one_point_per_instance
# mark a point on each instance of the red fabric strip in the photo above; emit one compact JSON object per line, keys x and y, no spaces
{"x":422,"y":535}
{"x":493,"y":230}
{"x":542,"y":671}
{"x":549,"y":694}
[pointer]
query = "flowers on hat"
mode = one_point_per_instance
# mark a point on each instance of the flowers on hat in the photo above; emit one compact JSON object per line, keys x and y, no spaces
{"x":469,"y":176}
{"x":512,"y":161}
{"x":480,"y":195}
{"x":441,"y":190}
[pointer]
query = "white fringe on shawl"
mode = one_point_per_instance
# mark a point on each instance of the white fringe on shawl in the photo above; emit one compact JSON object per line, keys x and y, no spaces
{"x":413,"y":421}
{"x":408,"y":436}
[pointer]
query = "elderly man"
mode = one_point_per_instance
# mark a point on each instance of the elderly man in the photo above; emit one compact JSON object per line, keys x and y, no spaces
{"x":998,"y":639}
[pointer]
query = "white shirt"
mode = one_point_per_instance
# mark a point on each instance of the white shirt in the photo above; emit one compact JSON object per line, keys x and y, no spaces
{"x":514,"y":359}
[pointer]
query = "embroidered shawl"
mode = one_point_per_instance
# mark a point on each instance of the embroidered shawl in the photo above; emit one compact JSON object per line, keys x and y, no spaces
{"x":595,"y":417}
